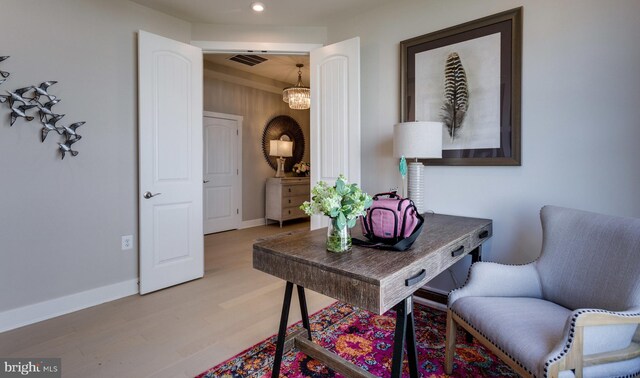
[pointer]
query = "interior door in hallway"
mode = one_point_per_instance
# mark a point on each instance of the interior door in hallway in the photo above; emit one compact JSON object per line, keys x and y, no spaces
{"x":170,"y":162}
{"x":222,"y":172}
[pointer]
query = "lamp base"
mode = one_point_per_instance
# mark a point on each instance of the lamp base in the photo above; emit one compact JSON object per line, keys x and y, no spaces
{"x":280,"y":171}
{"x":416,"y":185}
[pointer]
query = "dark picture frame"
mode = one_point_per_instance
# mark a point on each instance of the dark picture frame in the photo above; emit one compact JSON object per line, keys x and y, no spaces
{"x":508,"y":25}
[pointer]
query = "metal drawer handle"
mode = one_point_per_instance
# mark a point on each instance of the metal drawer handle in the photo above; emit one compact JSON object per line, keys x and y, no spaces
{"x":458,"y":251}
{"x":415,"y":279}
{"x":483,"y":234}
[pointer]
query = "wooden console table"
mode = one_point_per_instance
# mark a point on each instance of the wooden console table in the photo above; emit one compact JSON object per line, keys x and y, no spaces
{"x":371,"y":279}
{"x":283,"y":197}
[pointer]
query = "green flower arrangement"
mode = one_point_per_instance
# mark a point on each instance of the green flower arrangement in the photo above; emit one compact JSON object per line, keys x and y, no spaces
{"x":343,"y":202}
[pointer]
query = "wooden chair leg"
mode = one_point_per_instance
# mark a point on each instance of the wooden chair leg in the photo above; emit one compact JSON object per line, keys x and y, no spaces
{"x":553,"y":371}
{"x":450,"y":343}
{"x":578,"y":350}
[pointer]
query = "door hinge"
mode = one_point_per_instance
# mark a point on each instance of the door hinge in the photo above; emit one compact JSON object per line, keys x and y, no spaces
{"x":237,"y":132}
{"x":237,"y":171}
{"x":237,"y":211}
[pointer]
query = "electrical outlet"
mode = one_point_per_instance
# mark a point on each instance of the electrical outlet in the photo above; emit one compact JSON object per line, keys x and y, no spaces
{"x":127,"y":242}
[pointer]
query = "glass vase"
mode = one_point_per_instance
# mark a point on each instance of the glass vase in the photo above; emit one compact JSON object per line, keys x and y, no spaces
{"x":338,"y":240}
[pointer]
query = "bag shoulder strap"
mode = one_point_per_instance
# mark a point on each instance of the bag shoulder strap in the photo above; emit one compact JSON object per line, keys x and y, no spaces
{"x":393,"y":194}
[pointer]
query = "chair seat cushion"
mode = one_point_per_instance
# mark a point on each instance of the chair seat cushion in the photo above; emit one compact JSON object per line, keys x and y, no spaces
{"x":526,"y":329}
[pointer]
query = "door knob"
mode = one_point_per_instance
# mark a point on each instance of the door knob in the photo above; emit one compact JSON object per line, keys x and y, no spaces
{"x":148,"y":195}
{"x":205,"y":181}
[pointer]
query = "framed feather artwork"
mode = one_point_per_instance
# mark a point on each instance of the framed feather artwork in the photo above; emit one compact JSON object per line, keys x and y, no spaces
{"x":469,"y":78}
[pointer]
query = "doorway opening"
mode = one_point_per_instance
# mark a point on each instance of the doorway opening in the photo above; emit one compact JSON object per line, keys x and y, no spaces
{"x":170,"y":226}
{"x":249,"y":87}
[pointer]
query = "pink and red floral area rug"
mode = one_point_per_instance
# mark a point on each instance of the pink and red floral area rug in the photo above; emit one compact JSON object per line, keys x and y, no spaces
{"x":366,"y":339}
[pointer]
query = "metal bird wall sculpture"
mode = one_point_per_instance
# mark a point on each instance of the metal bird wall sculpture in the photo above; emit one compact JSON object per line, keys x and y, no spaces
{"x":48,"y":117}
{"x":66,"y":146}
{"x":456,"y":95}
{"x":3,"y":74}
{"x":45,"y":110}
{"x":50,"y":125}
{"x":16,"y":95}
{"x":71,"y":129}
{"x":42,"y":91}
{"x":20,"y":112}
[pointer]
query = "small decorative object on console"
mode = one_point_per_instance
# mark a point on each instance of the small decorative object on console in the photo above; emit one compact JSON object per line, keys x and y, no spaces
{"x":302,"y":168}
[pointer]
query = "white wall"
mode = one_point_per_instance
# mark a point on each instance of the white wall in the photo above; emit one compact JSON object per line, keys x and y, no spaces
{"x":61,"y":221}
{"x":258,"y":33}
{"x":580,"y":114}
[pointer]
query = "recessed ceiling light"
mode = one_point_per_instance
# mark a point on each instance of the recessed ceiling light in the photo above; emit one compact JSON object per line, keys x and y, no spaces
{"x":257,"y":7}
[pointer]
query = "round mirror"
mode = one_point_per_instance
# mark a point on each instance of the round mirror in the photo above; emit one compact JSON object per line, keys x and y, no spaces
{"x":283,"y":127}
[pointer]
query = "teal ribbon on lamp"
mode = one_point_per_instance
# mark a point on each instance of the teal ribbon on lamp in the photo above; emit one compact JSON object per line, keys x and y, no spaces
{"x":417,"y":140}
{"x":403,"y":172}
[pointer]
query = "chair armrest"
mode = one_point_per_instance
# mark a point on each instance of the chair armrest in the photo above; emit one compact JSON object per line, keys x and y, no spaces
{"x":606,"y":331}
{"x":591,"y":317}
{"x":593,"y":337}
{"x":487,"y":279}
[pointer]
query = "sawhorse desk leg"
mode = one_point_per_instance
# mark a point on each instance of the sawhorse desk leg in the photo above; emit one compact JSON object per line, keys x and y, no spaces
{"x":284,"y":319}
{"x":405,"y":330}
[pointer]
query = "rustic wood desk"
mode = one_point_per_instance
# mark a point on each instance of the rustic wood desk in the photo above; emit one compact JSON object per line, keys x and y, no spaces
{"x":374,"y":280}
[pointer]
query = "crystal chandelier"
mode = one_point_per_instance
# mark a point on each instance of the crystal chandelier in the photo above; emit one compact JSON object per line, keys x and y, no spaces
{"x":298,"y":96}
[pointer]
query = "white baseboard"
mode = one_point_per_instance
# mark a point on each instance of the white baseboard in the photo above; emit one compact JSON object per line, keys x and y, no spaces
{"x":252,"y":223}
{"x":37,"y":312}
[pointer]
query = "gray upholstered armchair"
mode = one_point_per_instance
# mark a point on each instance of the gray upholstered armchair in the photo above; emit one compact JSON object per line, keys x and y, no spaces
{"x":573,"y":312}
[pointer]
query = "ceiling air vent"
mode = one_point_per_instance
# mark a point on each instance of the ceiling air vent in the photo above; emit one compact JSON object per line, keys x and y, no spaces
{"x":248,"y":60}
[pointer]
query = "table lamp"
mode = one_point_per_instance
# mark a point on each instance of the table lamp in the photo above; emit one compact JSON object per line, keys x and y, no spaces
{"x":417,"y":140}
{"x":282,"y":149}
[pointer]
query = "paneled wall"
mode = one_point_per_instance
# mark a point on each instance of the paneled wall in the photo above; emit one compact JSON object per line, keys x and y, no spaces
{"x":258,"y":100}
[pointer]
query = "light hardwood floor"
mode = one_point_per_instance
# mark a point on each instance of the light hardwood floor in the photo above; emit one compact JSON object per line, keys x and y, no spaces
{"x":176,"y":332}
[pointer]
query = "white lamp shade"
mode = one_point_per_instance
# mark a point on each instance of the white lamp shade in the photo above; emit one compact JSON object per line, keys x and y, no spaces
{"x":282,"y":148}
{"x":421,"y":140}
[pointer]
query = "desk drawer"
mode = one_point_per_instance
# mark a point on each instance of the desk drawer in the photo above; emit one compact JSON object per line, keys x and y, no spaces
{"x":423,"y":271}
{"x":455,"y":252}
{"x":481,"y":235}
{"x":295,"y":190}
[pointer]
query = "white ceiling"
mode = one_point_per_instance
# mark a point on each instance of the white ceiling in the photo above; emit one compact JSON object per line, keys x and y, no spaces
{"x":277,"y":12}
{"x":278,"y":67}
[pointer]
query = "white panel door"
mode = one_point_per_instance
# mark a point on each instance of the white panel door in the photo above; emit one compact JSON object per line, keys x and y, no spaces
{"x":222,"y":184}
{"x":170,"y":162}
{"x":335,"y":115}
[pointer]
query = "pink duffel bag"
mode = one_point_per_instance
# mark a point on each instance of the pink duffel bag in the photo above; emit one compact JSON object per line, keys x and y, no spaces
{"x":392,"y":222}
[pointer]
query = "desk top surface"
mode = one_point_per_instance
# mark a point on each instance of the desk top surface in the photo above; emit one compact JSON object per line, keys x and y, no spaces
{"x":367,"y":264}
